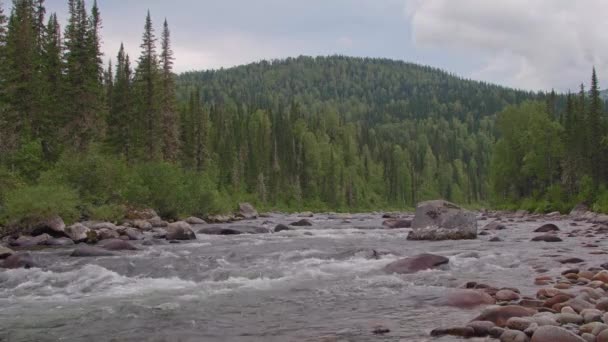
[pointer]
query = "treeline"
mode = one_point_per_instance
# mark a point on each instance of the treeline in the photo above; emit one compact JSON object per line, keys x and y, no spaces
{"x":551,"y":157}
{"x":85,"y":139}
{"x":340,"y":132}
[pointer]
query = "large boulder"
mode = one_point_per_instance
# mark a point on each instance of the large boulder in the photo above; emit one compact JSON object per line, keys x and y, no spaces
{"x":247,"y":211}
{"x":21,"y":260}
{"x":442,"y":220}
{"x":133,"y":234}
{"x":180,"y":231}
{"x":549,"y":333}
{"x":77,"y":232}
{"x":53,"y":226}
{"x":416,"y":263}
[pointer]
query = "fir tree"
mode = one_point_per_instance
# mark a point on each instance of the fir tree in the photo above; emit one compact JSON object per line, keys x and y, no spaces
{"x":169,"y":116}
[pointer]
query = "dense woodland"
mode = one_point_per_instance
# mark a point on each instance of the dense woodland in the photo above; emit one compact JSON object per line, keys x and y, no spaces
{"x":85,"y":135}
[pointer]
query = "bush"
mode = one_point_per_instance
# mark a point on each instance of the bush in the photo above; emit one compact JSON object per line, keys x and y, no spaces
{"x":32,"y":203}
{"x":108,"y":212}
{"x":98,"y":179}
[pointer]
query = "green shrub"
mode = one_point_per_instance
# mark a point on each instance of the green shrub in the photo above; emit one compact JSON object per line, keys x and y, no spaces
{"x":9,"y":181}
{"x":99,"y":179}
{"x":32,"y":203}
{"x":107,"y":212}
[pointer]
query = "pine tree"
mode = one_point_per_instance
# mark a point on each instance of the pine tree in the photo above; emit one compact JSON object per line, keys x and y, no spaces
{"x":120,"y":136}
{"x":147,"y":86}
{"x":595,"y":131}
{"x":52,"y":80}
{"x":169,"y":116}
{"x":83,"y":74}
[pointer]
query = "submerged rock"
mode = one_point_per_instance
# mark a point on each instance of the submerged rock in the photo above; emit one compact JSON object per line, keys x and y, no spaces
{"x":280,"y":228}
{"x":21,"y":260}
{"x":442,"y":220}
{"x":416,"y":263}
{"x":495,"y":226}
{"x":301,"y":223}
{"x":90,"y":251}
{"x":117,"y":245}
{"x":468,"y":299}
{"x":397,"y":223}
{"x":547,"y":238}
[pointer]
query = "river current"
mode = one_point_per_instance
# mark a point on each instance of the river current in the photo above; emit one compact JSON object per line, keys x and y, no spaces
{"x":318,"y":283}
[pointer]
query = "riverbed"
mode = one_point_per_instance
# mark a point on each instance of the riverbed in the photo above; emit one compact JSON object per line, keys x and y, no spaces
{"x":320,"y":283}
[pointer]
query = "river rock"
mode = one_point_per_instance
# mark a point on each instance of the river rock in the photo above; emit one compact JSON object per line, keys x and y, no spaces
{"x":566,"y":318}
{"x":602,"y":336}
{"x":514,"y":336}
{"x":506,"y":295}
{"x":30,"y":241}
{"x":117,"y":245}
{"x":481,"y":328}
{"x":58,"y":242}
{"x":397,"y":223}
{"x":466,"y":332}
{"x":547,"y":238}
{"x":554,"y":334}
{"x":103,"y":225}
{"x":546,"y":228}
{"x":416,"y":263}
{"x":494,"y":226}
{"x":501,"y":314}
{"x":106,"y":234}
{"x":194,"y":220}
{"x":572,"y":260}
{"x":442,"y":220}
{"x":5,"y":252}
{"x":306,"y":214}
{"x":180,"y":231}
{"x":21,"y":260}
{"x":157,"y":222}
{"x":219,"y":219}
{"x":53,"y":226}
{"x":280,"y":228}
{"x":301,"y":223}
{"x":247,"y":211}
{"x":519,"y":323}
{"x":90,"y":251}
{"x":134,"y":234}
{"x":77,"y":232}
{"x":140,"y":224}
{"x":468,"y":299}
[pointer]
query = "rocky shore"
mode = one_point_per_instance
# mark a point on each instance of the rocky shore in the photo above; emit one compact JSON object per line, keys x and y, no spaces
{"x":568,"y":303}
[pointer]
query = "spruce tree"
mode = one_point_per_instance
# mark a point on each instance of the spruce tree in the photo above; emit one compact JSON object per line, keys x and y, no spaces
{"x":147,"y":88}
{"x":595,"y":130}
{"x":168,"y":107}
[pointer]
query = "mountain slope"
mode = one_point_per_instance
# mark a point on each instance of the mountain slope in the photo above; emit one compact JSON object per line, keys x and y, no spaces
{"x":346,"y":132}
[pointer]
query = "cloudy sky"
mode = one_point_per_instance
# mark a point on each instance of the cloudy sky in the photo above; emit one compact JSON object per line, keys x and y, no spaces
{"x":531,"y":44}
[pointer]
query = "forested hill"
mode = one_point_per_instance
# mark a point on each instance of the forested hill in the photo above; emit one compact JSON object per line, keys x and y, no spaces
{"x":342,"y":132}
{"x":376,"y":90}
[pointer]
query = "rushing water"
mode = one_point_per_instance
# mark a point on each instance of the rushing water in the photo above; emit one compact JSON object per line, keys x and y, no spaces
{"x":308,"y":284}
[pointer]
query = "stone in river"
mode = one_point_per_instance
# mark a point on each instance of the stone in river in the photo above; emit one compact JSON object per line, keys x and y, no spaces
{"x":514,"y":336}
{"x":466,"y":332}
{"x":416,"y":263}
{"x":280,"y":228}
{"x":90,"y":251}
{"x":301,"y":223}
{"x":21,"y":260}
{"x":468,"y":299}
{"x":547,"y":238}
{"x":571,"y":260}
{"x":501,"y":314}
{"x":397,"y":223}
{"x":442,"y":220}
{"x":549,"y":227}
{"x":247,"y":211}
{"x":180,"y":231}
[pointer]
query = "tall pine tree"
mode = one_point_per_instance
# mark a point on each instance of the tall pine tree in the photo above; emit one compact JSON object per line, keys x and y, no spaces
{"x":168,"y":106}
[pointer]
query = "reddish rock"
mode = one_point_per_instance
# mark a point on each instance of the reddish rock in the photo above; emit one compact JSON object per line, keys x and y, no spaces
{"x":500,"y":315}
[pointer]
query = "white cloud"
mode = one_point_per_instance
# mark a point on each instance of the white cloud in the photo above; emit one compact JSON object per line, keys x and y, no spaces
{"x":523,"y":43}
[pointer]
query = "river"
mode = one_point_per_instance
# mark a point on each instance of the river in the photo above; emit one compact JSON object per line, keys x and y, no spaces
{"x":319,"y":283}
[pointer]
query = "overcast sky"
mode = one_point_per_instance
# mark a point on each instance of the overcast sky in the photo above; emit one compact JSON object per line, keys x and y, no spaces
{"x":531,"y":44}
